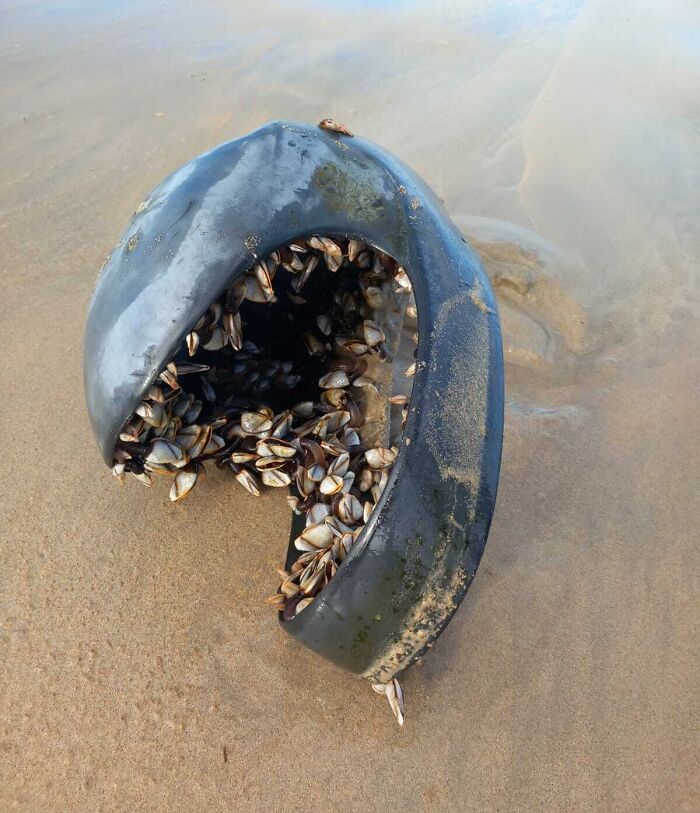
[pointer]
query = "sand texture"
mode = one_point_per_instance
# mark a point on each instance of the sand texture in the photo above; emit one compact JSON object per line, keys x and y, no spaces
{"x":139,"y":668}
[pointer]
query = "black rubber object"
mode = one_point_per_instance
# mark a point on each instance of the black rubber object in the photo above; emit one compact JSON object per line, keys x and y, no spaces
{"x":201,"y":229}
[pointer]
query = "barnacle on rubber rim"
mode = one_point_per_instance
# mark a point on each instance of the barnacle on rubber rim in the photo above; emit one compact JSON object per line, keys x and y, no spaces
{"x":216,"y":407}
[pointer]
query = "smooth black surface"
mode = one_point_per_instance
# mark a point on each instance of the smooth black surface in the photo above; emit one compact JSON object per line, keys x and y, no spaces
{"x":202,"y":228}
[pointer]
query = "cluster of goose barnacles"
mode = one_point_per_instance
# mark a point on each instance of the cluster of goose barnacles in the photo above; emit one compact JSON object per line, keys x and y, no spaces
{"x":293,"y":394}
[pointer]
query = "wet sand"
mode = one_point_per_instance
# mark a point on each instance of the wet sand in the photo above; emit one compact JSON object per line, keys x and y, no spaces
{"x":138,"y":667}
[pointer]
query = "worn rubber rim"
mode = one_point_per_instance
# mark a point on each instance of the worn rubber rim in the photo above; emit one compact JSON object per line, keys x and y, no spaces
{"x":201,"y":229}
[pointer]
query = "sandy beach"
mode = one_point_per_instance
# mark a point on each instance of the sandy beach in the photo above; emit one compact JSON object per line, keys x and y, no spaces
{"x":139,"y":667}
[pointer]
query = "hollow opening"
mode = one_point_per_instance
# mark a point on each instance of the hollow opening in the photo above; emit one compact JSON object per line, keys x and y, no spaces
{"x":299,"y":375}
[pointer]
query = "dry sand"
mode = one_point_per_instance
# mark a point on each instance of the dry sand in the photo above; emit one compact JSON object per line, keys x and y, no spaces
{"x":138,"y":667}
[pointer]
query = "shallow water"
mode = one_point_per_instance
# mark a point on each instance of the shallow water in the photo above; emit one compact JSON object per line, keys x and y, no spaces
{"x":139,"y":667}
